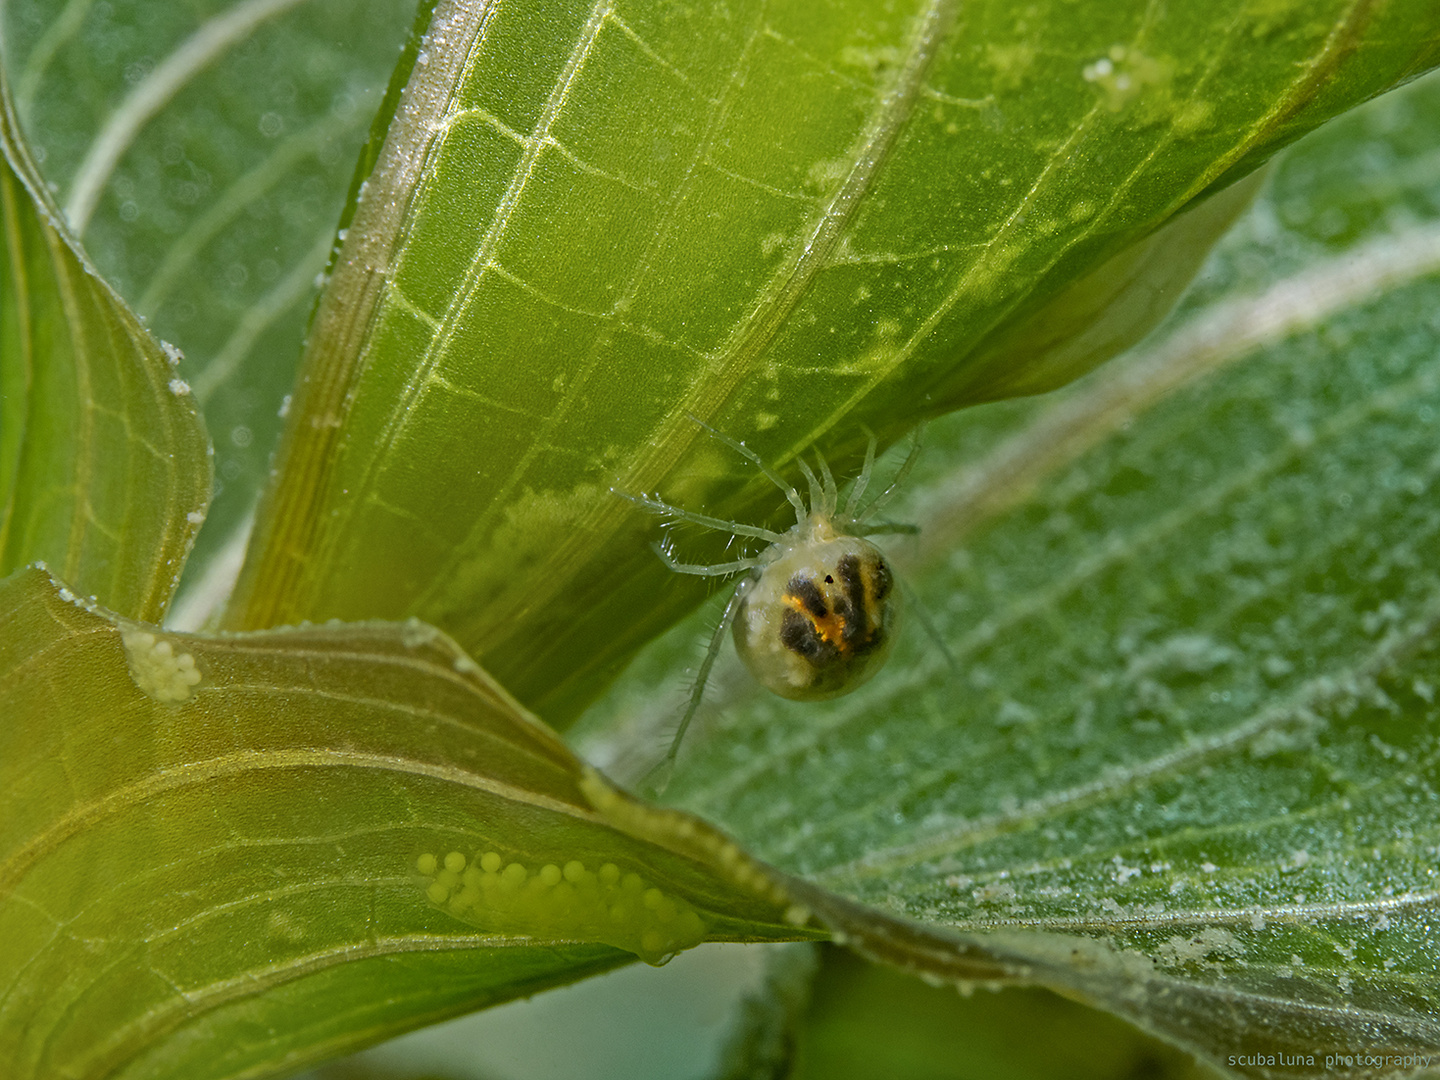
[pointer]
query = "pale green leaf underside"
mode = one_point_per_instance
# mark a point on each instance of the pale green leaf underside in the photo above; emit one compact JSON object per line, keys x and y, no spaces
{"x":1191,"y":741}
{"x":208,"y":847}
{"x":216,"y":219}
{"x":812,"y":223}
{"x":104,"y":463}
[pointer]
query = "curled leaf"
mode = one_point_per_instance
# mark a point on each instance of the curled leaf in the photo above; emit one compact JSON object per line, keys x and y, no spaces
{"x":228,"y":856}
{"x":104,"y":462}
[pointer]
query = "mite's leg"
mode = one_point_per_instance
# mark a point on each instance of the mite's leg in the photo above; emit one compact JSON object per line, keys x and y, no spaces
{"x":831,"y":492}
{"x":922,"y":615}
{"x":857,"y":490}
{"x":875,"y":528}
{"x":791,"y":495}
{"x":817,"y":493}
{"x":900,"y":477}
{"x":675,"y":513}
{"x":700,"y":569}
{"x":658,"y":777}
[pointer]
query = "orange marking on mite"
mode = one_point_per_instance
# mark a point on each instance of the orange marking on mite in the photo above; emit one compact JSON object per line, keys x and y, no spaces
{"x":830,"y":628}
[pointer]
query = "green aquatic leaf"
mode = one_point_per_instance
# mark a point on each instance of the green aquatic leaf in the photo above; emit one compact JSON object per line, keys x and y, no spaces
{"x":104,"y":462}
{"x":1186,"y":769}
{"x":216,"y":853}
{"x":818,"y":221}
{"x":867,"y":1021}
{"x":205,"y":149}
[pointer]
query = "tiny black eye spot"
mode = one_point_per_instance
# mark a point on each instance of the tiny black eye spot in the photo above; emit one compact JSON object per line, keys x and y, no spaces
{"x":829,"y":580}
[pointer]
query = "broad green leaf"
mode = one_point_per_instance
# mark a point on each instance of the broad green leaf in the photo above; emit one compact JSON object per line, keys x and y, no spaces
{"x":590,"y":224}
{"x":206,"y":146}
{"x":1186,"y":768}
{"x":685,"y":1021}
{"x":104,"y":463}
{"x":867,"y":1021}
{"x":217,"y":854}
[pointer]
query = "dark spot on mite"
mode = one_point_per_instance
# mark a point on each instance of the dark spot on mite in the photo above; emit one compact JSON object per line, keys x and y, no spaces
{"x":798,"y":634}
{"x":809,"y":594}
{"x":883,"y":579}
{"x":842,"y":619}
{"x":857,"y":623}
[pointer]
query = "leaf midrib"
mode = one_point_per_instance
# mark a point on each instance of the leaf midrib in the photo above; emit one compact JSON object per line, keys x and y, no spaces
{"x":128,"y":1041}
{"x":197,"y":773}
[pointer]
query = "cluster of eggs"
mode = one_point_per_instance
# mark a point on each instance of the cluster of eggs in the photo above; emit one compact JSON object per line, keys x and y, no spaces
{"x":571,"y":902}
{"x":157,"y":669}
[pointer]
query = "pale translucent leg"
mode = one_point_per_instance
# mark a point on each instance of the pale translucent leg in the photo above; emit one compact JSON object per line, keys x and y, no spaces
{"x":832,"y":493}
{"x":817,"y":493}
{"x":922,"y":615}
{"x":658,"y":777}
{"x":701,"y":569}
{"x":900,"y":476}
{"x":876,"y":528}
{"x":857,"y":489}
{"x":791,"y":495}
{"x":734,"y":528}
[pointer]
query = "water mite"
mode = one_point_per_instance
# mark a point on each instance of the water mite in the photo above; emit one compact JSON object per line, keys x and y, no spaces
{"x":816,"y":613}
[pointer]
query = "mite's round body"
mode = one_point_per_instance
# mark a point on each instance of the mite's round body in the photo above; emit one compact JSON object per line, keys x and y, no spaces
{"x":816,"y":614}
{"x":818,"y":617}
